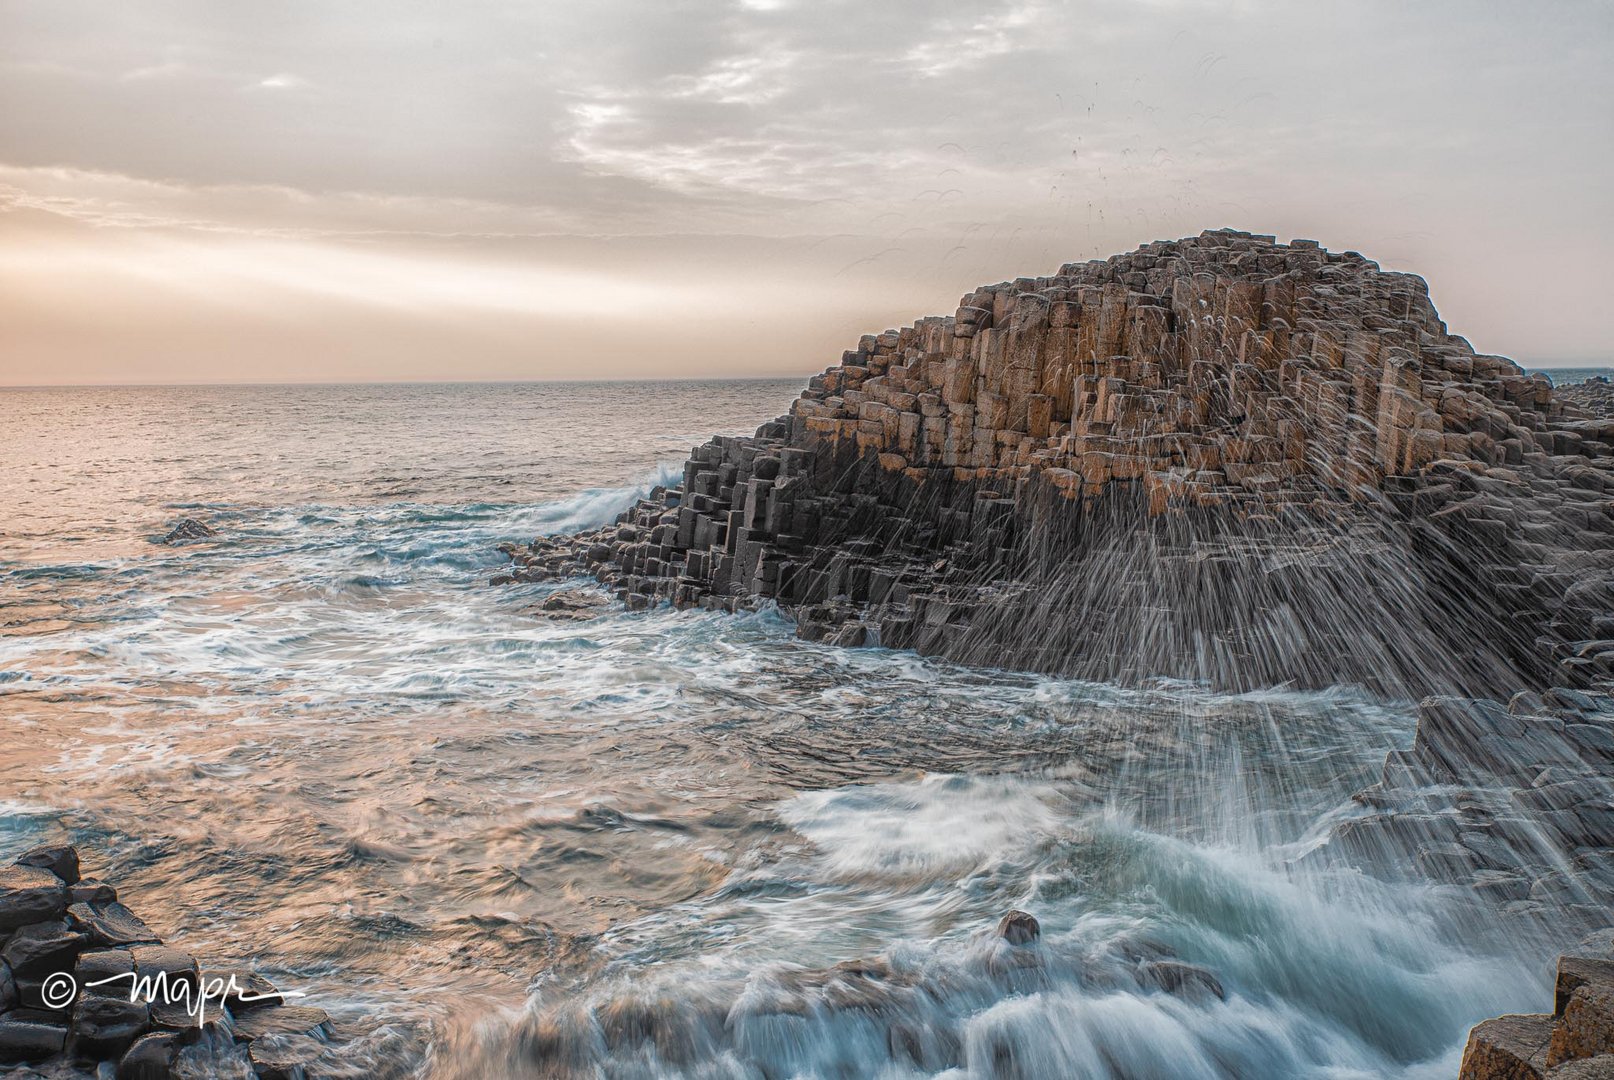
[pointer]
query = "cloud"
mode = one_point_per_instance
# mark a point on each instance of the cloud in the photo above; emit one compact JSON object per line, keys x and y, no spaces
{"x":968,"y":142}
{"x":283,"y":81}
{"x":957,"y":45}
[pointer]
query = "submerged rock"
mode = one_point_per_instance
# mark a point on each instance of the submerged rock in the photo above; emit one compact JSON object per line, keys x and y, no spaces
{"x":189,"y":529}
{"x":573,"y":605}
{"x":1019,"y":928}
{"x":1184,"y":980}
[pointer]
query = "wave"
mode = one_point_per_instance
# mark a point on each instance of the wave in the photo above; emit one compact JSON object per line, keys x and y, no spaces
{"x":593,"y":507}
{"x":874,"y":955}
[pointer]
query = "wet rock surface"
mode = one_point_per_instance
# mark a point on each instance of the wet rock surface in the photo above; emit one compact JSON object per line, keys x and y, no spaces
{"x":1513,"y":803}
{"x":1221,"y":458}
{"x":86,"y":989}
{"x":189,"y":529}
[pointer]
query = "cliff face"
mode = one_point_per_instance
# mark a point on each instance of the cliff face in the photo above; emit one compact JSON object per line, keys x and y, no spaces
{"x":1219,"y":458}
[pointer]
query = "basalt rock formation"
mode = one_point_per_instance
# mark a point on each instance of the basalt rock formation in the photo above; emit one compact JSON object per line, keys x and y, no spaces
{"x":88,"y":990}
{"x":1220,"y":458}
{"x":1573,"y":1042}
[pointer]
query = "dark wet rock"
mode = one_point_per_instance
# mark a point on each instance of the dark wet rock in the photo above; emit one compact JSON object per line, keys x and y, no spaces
{"x":181,"y":1016}
{"x":163,"y":965}
{"x":1501,"y":886}
{"x":110,"y":925}
{"x":573,"y":604}
{"x":92,"y":891}
{"x":150,"y":1058}
{"x":59,"y":859}
{"x":1501,"y":799}
{"x":103,"y":971}
{"x":284,"y":1057}
{"x":42,"y":948}
{"x":1184,"y":980}
{"x":107,"y":1021}
{"x":30,"y":1036}
{"x":189,"y":529}
{"x":1019,"y":928}
{"x":282,"y":1020}
{"x":29,"y":894}
{"x":105,"y":1027}
{"x":243,"y":988}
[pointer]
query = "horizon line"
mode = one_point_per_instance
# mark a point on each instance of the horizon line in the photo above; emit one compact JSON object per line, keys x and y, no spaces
{"x":398,"y":382}
{"x":1594,"y":365}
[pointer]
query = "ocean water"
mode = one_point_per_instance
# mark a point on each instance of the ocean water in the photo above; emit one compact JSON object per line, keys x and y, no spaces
{"x":1569,"y":376}
{"x":651,"y":844}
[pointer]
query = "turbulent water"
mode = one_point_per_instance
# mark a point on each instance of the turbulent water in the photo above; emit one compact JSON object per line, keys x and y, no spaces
{"x":495,"y":844}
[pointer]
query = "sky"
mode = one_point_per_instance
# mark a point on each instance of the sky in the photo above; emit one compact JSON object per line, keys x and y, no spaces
{"x":195,"y":191}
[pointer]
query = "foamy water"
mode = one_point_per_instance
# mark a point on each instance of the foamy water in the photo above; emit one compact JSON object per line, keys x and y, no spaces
{"x":493,"y":844}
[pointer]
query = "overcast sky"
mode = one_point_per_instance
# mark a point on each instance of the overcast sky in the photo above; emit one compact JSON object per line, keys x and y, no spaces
{"x":368,"y":190}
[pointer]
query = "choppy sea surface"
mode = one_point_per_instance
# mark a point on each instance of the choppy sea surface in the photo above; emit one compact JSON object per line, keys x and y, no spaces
{"x":494,"y":844}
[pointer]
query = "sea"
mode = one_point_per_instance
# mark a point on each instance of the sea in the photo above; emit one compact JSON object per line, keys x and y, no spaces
{"x":491,"y":843}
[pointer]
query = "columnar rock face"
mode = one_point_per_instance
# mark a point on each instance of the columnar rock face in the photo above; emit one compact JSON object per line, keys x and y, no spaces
{"x":1221,"y":458}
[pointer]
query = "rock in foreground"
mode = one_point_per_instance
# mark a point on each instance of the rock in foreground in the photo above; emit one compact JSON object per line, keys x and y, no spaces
{"x":1573,"y":1042}
{"x":70,"y":955}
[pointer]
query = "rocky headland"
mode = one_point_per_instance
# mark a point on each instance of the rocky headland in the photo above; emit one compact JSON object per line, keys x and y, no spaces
{"x":1230,"y":460}
{"x":1220,"y":458}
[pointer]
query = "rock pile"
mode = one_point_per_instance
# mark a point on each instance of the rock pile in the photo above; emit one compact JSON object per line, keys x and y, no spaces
{"x":1595,"y":395}
{"x":1573,"y":1042}
{"x":1220,"y":458}
{"x":87,"y":989}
